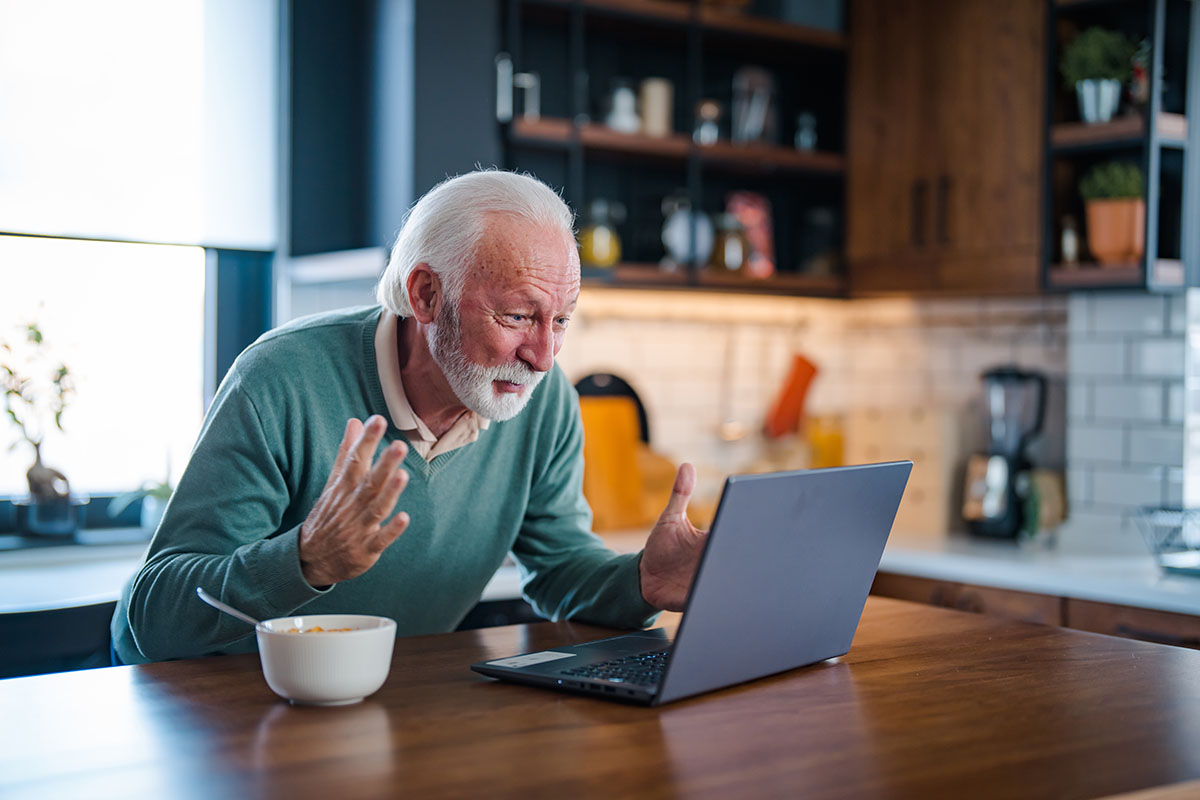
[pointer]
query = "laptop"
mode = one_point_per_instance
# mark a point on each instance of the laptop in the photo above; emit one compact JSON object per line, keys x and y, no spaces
{"x":781,"y":584}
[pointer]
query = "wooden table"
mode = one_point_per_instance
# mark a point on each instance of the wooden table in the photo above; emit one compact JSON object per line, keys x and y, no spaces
{"x":929,"y":703}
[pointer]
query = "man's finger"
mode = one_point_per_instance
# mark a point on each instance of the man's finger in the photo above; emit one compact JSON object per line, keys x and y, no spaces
{"x":681,"y":492}
{"x":386,"y":466}
{"x":391,"y":532}
{"x":362,"y":454}
{"x":353,"y":431}
{"x":380,"y":504}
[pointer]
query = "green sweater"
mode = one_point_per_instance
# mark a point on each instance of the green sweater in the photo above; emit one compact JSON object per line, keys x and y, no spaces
{"x":265,"y":450}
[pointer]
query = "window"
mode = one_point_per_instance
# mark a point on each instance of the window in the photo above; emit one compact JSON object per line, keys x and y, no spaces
{"x":128,"y":321}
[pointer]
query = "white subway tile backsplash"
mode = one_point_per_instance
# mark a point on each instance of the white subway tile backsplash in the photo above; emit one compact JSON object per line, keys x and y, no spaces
{"x":1095,"y":442}
{"x":1079,"y":401}
{"x":1129,"y":313}
{"x":1175,"y":402}
{"x":1174,"y":489}
{"x":1118,"y":401}
{"x":1177,"y":313}
{"x":1162,"y":446}
{"x":1091,"y":359}
{"x":1079,"y":486}
{"x":1079,"y":314}
{"x":1130,"y":486}
{"x":1159,"y":357}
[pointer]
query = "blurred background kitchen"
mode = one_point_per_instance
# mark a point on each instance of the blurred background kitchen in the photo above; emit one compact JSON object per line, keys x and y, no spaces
{"x":813,"y":232}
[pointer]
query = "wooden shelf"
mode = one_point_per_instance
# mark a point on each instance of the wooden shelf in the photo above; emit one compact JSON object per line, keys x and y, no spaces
{"x":553,"y":132}
{"x":1080,"y":276}
{"x":603,"y":138}
{"x":543,"y":131}
{"x":641,"y":276}
{"x":767,"y":157}
{"x":783,"y":283}
{"x":1165,"y":273}
{"x":771,"y":29}
{"x":1172,"y":129}
{"x":714,"y":20}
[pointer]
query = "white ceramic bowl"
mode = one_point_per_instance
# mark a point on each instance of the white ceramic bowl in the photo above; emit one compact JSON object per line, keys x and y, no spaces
{"x":329,"y":668}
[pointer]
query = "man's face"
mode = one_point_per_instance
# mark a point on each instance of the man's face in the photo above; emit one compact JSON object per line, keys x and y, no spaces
{"x":499,"y":340}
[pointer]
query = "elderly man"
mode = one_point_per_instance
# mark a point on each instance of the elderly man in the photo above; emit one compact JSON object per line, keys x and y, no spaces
{"x":385,"y":460}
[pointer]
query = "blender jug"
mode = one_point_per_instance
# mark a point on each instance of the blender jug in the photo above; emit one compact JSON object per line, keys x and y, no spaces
{"x":998,"y":482}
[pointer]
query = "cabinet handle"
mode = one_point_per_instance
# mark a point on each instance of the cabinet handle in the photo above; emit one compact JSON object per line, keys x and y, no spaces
{"x":943,"y":194}
{"x":917,"y":234}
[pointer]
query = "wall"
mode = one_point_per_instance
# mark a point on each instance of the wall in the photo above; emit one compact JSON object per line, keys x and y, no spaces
{"x":698,"y":360}
{"x":1125,"y":440}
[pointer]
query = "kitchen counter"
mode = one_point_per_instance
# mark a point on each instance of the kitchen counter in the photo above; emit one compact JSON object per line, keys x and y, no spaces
{"x":1128,"y":580}
{"x":61,"y":577}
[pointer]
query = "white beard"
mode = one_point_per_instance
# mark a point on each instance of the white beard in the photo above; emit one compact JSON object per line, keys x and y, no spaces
{"x":471,"y":382}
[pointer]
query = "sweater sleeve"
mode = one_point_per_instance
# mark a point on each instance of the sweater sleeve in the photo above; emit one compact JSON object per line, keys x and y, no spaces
{"x":566,"y":571}
{"x":221,"y":531}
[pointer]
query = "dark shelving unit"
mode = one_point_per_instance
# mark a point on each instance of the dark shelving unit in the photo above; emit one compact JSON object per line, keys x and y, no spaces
{"x":1157,"y":137}
{"x":578,"y":47}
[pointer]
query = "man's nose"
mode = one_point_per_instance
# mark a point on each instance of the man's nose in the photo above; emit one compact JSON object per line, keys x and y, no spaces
{"x":538,"y":349}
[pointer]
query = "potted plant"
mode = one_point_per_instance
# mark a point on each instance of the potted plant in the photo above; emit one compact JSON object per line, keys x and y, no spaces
{"x":1116,"y":212}
{"x":1096,"y":64}
{"x":154,"y":496}
{"x":37,"y":390}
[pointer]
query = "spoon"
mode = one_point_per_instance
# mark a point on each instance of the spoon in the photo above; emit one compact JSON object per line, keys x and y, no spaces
{"x":228,"y":609}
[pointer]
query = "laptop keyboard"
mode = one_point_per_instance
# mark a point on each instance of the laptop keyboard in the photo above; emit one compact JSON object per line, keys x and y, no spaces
{"x":643,"y":669}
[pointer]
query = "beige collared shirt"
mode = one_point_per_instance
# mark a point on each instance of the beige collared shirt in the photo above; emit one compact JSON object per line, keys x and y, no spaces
{"x":465,"y":429}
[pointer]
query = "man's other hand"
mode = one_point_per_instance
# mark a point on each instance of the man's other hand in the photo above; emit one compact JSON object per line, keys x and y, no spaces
{"x":344,"y":533}
{"x":673,"y":550}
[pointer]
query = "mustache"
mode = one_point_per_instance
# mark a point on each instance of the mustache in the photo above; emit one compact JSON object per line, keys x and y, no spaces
{"x":515,"y":372}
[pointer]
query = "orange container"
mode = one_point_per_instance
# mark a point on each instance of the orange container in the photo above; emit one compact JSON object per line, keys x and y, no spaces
{"x":1116,"y":230}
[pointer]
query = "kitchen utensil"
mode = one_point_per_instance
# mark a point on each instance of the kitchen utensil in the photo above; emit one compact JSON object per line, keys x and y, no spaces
{"x":228,"y":609}
{"x":998,"y":482}
{"x":787,"y":412}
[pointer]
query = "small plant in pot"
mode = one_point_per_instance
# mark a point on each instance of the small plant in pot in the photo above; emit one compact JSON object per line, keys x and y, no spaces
{"x":37,"y":390}
{"x":1116,"y":212}
{"x":154,"y":496}
{"x":1096,"y":64}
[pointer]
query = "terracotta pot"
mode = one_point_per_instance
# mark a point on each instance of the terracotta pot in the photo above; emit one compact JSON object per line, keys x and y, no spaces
{"x":1116,"y":230}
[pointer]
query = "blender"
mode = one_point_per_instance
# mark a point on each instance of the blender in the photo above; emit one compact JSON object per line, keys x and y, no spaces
{"x":998,"y":482}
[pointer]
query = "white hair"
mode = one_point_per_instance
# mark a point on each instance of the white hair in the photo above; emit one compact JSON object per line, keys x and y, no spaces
{"x":444,"y":227}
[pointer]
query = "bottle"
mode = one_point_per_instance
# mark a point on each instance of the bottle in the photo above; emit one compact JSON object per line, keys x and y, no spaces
{"x":731,"y":249}
{"x":806,"y":131}
{"x":599,"y":244}
{"x":1070,"y":241}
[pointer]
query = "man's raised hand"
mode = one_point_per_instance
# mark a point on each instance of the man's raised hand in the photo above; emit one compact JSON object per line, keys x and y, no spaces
{"x":344,"y":534}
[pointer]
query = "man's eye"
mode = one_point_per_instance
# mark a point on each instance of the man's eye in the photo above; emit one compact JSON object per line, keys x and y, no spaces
{"x":563,"y":321}
{"x":517,"y":317}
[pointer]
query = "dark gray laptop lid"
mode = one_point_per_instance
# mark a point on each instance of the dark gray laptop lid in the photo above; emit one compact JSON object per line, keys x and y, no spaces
{"x":785,"y":575}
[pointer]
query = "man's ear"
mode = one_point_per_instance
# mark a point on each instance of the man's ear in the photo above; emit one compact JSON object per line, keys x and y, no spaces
{"x":424,"y":293}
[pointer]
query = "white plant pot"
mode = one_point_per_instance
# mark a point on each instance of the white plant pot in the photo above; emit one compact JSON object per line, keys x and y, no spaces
{"x":152,"y":512}
{"x":1098,"y":99}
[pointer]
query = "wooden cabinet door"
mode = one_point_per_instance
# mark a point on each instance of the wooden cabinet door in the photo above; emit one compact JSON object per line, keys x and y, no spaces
{"x":1002,"y":603}
{"x":883,"y":98}
{"x":990,"y":121}
{"x":945,"y":145}
{"x":1146,"y":624}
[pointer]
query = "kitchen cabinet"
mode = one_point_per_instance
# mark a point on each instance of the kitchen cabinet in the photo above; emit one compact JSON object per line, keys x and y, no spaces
{"x":1003,"y":603}
{"x":944,"y":153}
{"x":1145,"y":624}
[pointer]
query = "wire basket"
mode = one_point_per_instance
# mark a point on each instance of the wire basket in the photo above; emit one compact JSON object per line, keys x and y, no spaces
{"x":1173,"y":536}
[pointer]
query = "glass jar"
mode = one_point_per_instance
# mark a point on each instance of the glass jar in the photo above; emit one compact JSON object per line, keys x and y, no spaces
{"x":731,"y":248}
